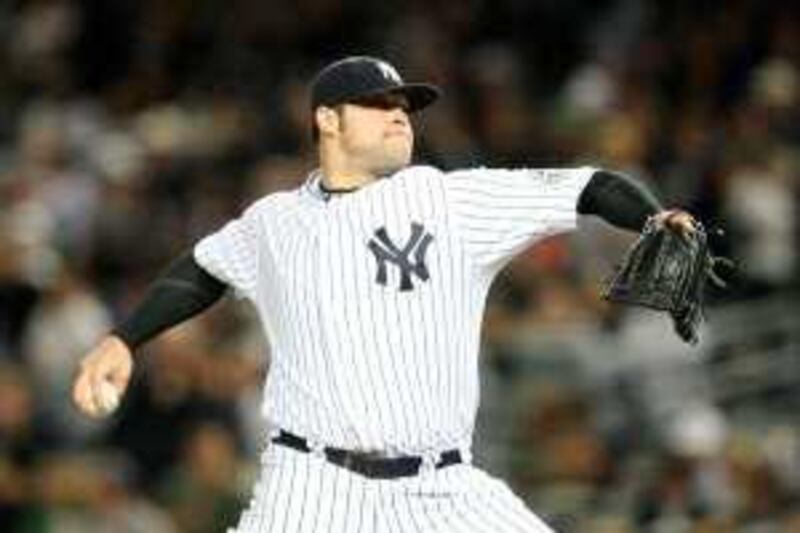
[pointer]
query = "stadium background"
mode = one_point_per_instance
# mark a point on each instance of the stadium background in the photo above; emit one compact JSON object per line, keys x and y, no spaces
{"x":130,"y":128}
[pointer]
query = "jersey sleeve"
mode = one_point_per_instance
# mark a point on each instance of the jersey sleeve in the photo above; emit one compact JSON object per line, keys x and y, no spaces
{"x":231,"y":254}
{"x":499,"y":212}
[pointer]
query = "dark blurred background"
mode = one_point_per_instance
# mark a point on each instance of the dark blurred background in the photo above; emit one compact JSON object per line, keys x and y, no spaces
{"x":130,"y":128}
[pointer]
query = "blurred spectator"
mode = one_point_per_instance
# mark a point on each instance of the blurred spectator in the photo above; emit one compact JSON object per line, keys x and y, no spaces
{"x":93,"y":494}
{"x":130,"y":129}
{"x":67,"y":320}
{"x":20,"y":444}
{"x":762,"y":200}
{"x":201,"y":492}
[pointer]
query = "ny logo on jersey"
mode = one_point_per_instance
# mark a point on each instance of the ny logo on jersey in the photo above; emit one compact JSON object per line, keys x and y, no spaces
{"x":387,"y":252}
{"x":389,"y":72}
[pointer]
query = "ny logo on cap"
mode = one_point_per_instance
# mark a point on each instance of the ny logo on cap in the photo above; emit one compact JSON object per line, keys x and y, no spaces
{"x":387,"y":252}
{"x":389,"y":72}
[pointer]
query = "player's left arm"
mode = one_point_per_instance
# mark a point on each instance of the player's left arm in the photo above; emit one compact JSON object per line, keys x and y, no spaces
{"x":626,"y":203}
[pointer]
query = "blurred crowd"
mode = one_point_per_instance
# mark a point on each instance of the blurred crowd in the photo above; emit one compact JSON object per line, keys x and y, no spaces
{"x":129,"y":129}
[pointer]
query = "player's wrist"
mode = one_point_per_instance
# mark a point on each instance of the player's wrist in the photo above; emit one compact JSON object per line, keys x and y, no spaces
{"x":118,"y":341}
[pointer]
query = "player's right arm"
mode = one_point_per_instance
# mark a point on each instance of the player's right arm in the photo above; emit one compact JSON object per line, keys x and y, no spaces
{"x":184,"y":290}
{"x":226,"y":258}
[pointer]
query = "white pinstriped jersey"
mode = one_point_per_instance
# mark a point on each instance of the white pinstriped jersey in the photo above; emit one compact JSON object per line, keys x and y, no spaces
{"x":373,"y":300}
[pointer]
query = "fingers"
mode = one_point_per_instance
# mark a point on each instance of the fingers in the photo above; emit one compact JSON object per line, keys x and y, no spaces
{"x":91,"y":395}
{"x":676,"y":220}
{"x":83,"y":396}
{"x":109,"y":363}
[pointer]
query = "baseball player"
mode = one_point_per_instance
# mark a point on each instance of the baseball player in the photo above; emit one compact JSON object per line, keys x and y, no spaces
{"x":370,"y":281}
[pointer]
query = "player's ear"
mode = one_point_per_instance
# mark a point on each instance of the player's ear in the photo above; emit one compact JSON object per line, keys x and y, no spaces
{"x":327,"y":120}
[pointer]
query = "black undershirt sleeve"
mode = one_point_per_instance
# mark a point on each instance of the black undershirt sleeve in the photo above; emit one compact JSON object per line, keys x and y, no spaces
{"x":181,"y":292}
{"x":618,"y":199}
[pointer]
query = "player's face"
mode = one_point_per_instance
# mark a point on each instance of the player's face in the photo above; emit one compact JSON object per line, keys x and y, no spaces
{"x":377,"y":132}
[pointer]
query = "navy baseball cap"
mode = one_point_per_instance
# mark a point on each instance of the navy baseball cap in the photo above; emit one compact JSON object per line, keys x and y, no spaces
{"x":356,"y":77}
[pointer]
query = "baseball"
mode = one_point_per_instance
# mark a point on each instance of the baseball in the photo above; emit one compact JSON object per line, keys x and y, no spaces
{"x":106,"y":397}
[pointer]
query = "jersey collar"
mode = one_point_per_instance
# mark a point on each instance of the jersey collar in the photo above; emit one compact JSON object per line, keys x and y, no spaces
{"x":313,"y":186}
{"x":317,"y":189}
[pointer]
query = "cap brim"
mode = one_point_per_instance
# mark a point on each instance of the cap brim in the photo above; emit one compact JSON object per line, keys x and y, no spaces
{"x":420,"y":95}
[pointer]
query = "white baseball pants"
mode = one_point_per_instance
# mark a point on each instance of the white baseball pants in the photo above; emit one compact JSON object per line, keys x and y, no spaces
{"x":303,"y":493}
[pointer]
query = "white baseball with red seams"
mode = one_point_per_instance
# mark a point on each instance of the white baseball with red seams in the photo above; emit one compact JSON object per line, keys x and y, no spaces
{"x":372,"y":302}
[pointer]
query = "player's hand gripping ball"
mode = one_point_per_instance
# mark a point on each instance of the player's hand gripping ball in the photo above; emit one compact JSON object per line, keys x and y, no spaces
{"x":106,"y":398}
{"x":103,"y":375}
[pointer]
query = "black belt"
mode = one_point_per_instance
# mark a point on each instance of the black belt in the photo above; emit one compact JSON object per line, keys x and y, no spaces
{"x":367,"y":464}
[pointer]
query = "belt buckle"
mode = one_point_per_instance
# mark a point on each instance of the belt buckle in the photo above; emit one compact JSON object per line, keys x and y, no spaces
{"x":317,"y":449}
{"x":428,"y":464}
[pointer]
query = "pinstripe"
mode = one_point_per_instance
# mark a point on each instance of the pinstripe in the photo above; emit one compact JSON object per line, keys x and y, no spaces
{"x":452,"y":512}
{"x":445,"y":507}
{"x":310,"y":492}
{"x":340,"y":503}
{"x":281,"y":246}
{"x":344,"y":351}
{"x":271,"y":475}
{"x":291,"y":498}
{"x":432,"y":345}
{"x":492,"y":521}
{"x":304,"y":302}
{"x":508,"y":507}
{"x":398,"y":354}
{"x":508,"y":514}
{"x":297,"y":347}
{"x":443,"y":384}
{"x":356,"y":329}
{"x":458,"y":335}
{"x":459,"y":523}
{"x":469,"y":344}
{"x":361,"y":507}
{"x":403,"y":422}
{"x":416,"y":500}
{"x":389,"y":515}
{"x":412,"y":369}
{"x":408,"y":516}
{"x":329,"y":354}
{"x":484,"y":500}
{"x":362,"y":365}
{"x":416,"y":346}
{"x":469,"y":508}
{"x":333,"y":500}
{"x":317,"y":347}
{"x":474,"y":201}
{"x":512,"y":212}
{"x":273,"y":504}
{"x":398,"y":407}
{"x":435,"y":520}
{"x":321,"y":499}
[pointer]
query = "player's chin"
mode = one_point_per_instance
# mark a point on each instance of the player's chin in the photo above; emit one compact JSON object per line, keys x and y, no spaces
{"x":395,"y":160}
{"x":399,"y":142}
{"x":396,"y":165}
